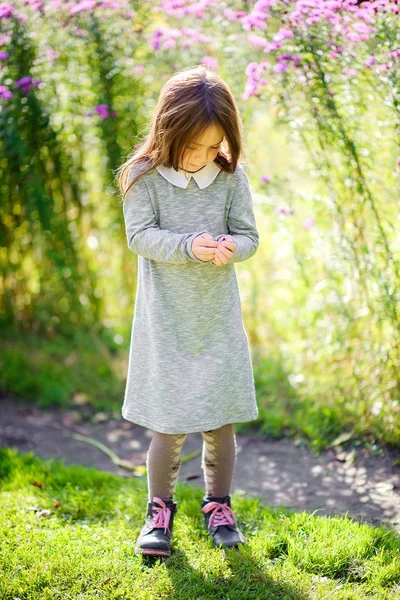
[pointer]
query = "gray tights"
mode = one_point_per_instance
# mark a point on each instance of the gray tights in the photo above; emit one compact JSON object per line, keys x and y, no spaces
{"x":218,"y":461}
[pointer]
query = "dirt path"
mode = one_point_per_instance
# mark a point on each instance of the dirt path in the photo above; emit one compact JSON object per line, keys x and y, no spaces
{"x":281,"y":472}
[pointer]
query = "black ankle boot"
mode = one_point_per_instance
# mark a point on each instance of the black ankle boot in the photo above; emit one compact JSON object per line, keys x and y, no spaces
{"x":221,"y":522}
{"x":155,"y":536}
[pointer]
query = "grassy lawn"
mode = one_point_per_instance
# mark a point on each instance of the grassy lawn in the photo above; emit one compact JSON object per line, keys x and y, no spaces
{"x":82,"y":545}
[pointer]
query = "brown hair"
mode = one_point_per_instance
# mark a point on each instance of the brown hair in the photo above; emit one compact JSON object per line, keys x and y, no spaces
{"x":190,"y":101}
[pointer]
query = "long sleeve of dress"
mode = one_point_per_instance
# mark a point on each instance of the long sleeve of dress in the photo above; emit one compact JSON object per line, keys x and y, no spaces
{"x":144,"y":235}
{"x":241,"y":220}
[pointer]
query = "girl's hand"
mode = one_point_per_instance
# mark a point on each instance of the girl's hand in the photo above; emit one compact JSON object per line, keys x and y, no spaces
{"x":204,"y":246}
{"x":224,"y":251}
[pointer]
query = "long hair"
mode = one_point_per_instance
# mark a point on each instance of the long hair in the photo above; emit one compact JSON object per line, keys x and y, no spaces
{"x":190,"y":101}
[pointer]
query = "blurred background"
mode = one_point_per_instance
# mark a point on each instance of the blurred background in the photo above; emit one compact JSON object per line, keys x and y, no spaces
{"x":317,"y":85}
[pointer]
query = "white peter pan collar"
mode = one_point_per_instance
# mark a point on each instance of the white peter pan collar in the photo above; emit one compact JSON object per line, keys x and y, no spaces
{"x":180,"y":178}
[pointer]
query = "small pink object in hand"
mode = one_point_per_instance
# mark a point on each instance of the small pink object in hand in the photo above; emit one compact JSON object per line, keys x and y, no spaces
{"x":221,"y":240}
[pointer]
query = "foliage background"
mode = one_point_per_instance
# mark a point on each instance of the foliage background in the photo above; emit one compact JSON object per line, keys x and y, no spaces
{"x":317,"y":87}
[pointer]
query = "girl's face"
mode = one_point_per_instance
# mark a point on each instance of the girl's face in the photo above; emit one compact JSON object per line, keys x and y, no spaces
{"x":203,"y":150}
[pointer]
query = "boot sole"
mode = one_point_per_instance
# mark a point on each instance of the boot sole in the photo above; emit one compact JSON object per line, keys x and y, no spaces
{"x":225,"y":546}
{"x":152,"y":552}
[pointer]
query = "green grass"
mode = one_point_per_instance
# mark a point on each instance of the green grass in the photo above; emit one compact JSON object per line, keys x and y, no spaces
{"x":51,"y":372}
{"x":84,"y":548}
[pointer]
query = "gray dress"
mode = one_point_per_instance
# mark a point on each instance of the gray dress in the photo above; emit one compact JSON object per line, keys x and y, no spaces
{"x":190,"y":366}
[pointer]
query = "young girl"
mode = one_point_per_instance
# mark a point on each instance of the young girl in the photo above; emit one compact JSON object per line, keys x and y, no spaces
{"x":188,"y":215}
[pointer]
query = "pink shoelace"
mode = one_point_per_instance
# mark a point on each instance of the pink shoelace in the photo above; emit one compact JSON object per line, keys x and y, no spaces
{"x":161,"y":515}
{"x":222,"y":515}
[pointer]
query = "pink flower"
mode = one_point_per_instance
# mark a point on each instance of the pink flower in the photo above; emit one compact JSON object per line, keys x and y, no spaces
{"x":394,"y":54}
{"x":169,"y":44}
{"x":256,"y":40}
{"x":103,"y":110}
{"x":280,"y":67}
{"x":308,"y":223}
{"x":6,"y":10}
{"x":85,"y":5}
{"x":282,"y":34}
{"x":233,"y":15}
{"x":349,"y":72}
{"x":211,"y":62}
{"x":5,"y":92}
{"x":25,"y":83}
{"x":284,"y":211}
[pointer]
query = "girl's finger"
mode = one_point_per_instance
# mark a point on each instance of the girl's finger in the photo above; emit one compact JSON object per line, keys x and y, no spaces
{"x":225,"y":251}
{"x":226,"y":244}
{"x":217,"y":260}
{"x":221,"y":259}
